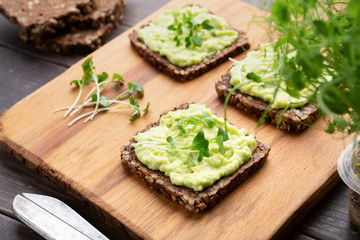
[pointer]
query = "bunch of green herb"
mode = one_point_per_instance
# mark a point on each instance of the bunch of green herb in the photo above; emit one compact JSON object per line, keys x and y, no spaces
{"x":193,"y":27}
{"x":102,"y":103}
{"x":324,"y":37}
{"x":200,"y":145}
{"x":325,"y":34}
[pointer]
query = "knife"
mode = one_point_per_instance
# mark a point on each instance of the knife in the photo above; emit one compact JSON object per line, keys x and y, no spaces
{"x":52,"y":218}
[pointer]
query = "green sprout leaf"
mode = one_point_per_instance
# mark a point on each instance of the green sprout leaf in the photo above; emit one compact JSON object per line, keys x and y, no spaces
{"x":206,"y":25}
{"x":87,"y":66}
{"x":179,"y":30}
{"x":220,"y":141}
{"x":190,"y":34}
{"x":94,"y":98}
{"x":171,"y":27}
{"x":200,"y":141}
{"x":189,"y":121}
{"x":119,"y":78}
{"x":105,"y":101}
{"x":187,"y":19}
{"x":177,"y":40}
{"x":181,"y":128}
{"x":253,"y":76}
{"x":102,"y":77}
{"x":135,"y":115}
{"x":170,"y":140}
{"x":133,"y":102}
{"x":77,"y":83}
{"x":147,"y":107}
{"x":136,"y":87}
{"x":221,"y":137}
{"x":187,"y":41}
{"x":202,"y":144}
{"x":195,"y":26}
{"x":221,"y":132}
{"x":87,"y":78}
{"x":196,"y":41}
{"x":209,"y":121}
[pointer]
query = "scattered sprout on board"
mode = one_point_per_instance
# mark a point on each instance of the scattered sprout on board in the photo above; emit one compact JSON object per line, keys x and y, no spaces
{"x":103,"y":103}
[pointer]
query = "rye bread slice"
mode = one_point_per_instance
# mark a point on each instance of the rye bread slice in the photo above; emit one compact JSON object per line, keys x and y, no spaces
{"x":82,"y":41}
{"x":89,"y":33}
{"x":293,"y":120}
{"x":186,"y":73}
{"x":106,"y":11}
{"x":192,"y":200}
{"x":36,"y":18}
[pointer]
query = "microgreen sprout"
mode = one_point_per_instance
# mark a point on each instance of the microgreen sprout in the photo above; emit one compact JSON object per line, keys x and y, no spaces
{"x":201,"y":144}
{"x":182,"y":129}
{"x":199,"y":147}
{"x":103,"y":103}
{"x":170,"y":140}
{"x":193,"y":27}
{"x":253,"y":76}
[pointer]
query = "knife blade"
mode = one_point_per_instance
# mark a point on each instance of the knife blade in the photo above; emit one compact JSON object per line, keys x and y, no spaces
{"x":52,"y":218}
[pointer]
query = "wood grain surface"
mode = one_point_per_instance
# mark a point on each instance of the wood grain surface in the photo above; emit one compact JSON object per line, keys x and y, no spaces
{"x":84,"y":159}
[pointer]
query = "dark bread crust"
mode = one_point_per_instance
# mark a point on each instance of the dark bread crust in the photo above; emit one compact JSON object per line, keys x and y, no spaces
{"x":87,"y":34}
{"x":106,"y":11}
{"x":294,"y":120}
{"x":186,"y":73}
{"x":35,"y":18}
{"x":190,"y":199}
{"x":80,"y":42}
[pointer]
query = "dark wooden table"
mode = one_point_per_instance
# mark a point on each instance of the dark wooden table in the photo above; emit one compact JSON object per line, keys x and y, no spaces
{"x":23,"y":70}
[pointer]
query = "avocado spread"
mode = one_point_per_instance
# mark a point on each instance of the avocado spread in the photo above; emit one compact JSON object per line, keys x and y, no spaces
{"x":180,"y":162}
{"x":168,"y":35}
{"x":264,"y":63}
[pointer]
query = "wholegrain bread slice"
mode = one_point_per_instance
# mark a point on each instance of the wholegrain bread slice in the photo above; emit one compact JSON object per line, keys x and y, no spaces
{"x":293,"y":119}
{"x":240,"y":45}
{"x":192,"y":200}
{"x":88,"y":33}
{"x":79,"y":42}
{"x":79,"y":32}
{"x":36,"y":18}
{"x":105,"y":11}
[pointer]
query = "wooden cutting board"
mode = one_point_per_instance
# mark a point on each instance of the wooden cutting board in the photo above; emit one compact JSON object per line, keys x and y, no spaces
{"x":85,"y":159}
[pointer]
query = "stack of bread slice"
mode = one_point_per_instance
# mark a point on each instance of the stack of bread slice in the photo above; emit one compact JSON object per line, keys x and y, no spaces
{"x":69,"y":26}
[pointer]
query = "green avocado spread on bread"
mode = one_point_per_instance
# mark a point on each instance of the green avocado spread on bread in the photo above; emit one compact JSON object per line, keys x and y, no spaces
{"x":264,"y":63}
{"x":186,"y":36}
{"x":190,"y":148}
